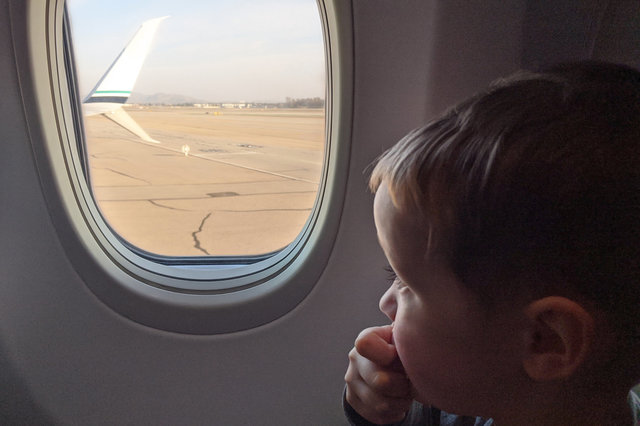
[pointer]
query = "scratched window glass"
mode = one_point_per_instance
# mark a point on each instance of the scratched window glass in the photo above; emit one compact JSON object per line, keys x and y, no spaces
{"x":204,"y":120}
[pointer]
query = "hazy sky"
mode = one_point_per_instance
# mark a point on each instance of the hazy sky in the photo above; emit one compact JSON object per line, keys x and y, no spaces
{"x":214,"y":50}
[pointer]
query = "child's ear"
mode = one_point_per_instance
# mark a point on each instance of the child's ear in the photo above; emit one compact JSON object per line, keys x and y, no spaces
{"x":558,"y":338}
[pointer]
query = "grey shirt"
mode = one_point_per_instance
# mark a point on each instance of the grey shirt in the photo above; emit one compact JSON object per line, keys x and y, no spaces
{"x":418,"y":414}
{"x":423,"y":415}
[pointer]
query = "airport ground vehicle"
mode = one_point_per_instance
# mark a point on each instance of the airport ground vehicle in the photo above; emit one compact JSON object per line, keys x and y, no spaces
{"x":85,"y":341}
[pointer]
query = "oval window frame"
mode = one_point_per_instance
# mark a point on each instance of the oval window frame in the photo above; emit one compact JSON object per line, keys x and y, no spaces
{"x":188,"y":298}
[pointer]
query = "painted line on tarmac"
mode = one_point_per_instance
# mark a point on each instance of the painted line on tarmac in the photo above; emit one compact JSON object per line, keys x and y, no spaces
{"x":255,"y":169}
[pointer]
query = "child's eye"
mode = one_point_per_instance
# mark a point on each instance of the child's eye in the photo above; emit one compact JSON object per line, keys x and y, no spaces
{"x":392,"y":277}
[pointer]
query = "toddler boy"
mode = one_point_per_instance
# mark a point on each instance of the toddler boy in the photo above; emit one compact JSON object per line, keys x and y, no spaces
{"x":513,"y":225}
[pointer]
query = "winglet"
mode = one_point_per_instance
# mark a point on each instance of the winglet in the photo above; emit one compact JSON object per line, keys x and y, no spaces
{"x":116,"y":84}
{"x":114,"y":88}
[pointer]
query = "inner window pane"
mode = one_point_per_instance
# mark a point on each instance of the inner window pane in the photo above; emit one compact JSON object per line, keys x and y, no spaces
{"x":218,"y":150}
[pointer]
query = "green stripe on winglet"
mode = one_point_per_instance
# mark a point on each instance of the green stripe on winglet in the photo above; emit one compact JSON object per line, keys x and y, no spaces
{"x":113,"y":91}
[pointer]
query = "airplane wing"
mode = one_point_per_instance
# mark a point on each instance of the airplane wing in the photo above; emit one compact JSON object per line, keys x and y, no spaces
{"x":120,"y":116}
{"x":114,"y":88}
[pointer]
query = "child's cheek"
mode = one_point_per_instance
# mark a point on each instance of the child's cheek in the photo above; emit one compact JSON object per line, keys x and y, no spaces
{"x":401,"y":341}
{"x":411,"y":351}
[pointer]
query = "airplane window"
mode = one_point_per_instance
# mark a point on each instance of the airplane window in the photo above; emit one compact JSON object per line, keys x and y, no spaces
{"x":182,"y":149}
{"x":204,"y":121}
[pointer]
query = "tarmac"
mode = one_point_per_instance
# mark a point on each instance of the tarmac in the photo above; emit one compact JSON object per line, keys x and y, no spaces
{"x":222,"y":182}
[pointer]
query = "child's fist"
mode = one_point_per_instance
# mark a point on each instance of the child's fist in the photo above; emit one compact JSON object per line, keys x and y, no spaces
{"x":377,"y":386}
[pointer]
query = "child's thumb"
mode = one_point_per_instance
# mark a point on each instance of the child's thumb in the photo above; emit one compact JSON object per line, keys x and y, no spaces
{"x":375,"y":344}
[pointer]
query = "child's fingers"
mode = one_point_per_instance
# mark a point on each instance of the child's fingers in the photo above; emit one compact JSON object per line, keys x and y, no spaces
{"x":385,"y":381}
{"x":377,"y":387}
{"x":374,"y":407}
{"x":375,"y":344}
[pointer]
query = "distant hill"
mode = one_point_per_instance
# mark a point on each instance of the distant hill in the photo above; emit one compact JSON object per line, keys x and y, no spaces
{"x":162,"y":99}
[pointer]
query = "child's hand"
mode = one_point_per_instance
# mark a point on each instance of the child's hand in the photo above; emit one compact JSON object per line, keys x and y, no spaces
{"x":377,"y":387}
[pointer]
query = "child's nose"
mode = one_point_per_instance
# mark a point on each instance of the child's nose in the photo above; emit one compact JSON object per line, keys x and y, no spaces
{"x":388,"y":304}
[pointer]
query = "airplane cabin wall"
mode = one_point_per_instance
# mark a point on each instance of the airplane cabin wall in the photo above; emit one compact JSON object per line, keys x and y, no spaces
{"x":66,"y":358}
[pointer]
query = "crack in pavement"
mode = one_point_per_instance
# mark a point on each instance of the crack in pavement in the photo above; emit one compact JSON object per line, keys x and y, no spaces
{"x":129,"y":176}
{"x":195,"y":236}
{"x":205,"y":197}
{"x":167,"y":207}
{"x":265,"y":210}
